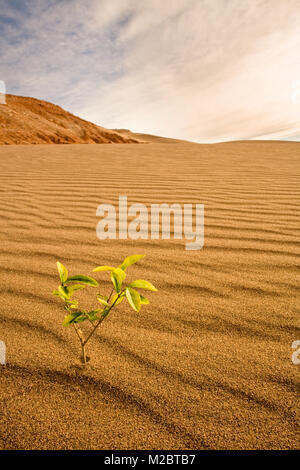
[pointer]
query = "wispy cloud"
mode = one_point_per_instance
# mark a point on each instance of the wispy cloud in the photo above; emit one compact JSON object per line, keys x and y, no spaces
{"x":206,"y":70}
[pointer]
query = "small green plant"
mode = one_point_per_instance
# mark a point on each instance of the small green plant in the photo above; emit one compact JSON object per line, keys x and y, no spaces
{"x":69,"y":285}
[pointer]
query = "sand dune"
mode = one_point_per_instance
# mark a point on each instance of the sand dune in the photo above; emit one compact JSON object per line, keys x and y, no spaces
{"x":30,"y":121}
{"x":149,"y":138}
{"x":207,"y":365}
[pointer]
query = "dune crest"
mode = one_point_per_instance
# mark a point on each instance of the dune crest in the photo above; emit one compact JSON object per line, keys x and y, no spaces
{"x":31,"y":121}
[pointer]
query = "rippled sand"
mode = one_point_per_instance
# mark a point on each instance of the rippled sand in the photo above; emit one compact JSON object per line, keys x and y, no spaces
{"x":207,"y":365}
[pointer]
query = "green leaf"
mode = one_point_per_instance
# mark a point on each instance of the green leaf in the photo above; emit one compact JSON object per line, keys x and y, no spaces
{"x":74,"y":288}
{"x":72,"y":302}
{"x":133,"y":298}
{"x":68,"y":320}
{"x":68,"y":291}
{"x":105,"y":312}
{"x":103,"y":268}
{"x":89,"y":281}
{"x":144,"y":301}
{"x":93,"y":314}
{"x":117,"y":276}
{"x":64,"y":292}
{"x":104,"y":297}
{"x":141,"y":284}
{"x":63,"y":272}
{"x":58,"y":294}
{"x":114,"y":299}
{"x":81,"y":318}
{"x":130,"y":260}
{"x":102,"y":301}
{"x":75,"y":317}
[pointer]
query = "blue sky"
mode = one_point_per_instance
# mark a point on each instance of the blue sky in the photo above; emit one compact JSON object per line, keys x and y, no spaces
{"x":204,"y":70}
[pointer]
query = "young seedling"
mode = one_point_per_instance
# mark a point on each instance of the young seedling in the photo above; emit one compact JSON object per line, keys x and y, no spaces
{"x":69,"y":285}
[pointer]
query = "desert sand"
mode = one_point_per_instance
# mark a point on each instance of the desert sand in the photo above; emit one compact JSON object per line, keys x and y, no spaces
{"x":207,"y":365}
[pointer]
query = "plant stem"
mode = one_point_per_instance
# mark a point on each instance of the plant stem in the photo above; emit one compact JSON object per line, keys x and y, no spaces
{"x":79,"y":332}
{"x":83,"y":353}
{"x":82,"y":342}
{"x":111,"y":293}
{"x":101,"y":320}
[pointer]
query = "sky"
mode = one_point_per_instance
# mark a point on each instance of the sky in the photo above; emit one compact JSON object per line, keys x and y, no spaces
{"x":201,"y":70}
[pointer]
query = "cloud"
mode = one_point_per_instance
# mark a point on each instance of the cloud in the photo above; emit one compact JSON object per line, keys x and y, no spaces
{"x":196,"y":69}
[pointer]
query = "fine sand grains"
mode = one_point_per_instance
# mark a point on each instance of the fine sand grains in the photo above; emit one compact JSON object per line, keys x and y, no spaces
{"x":207,"y":365}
